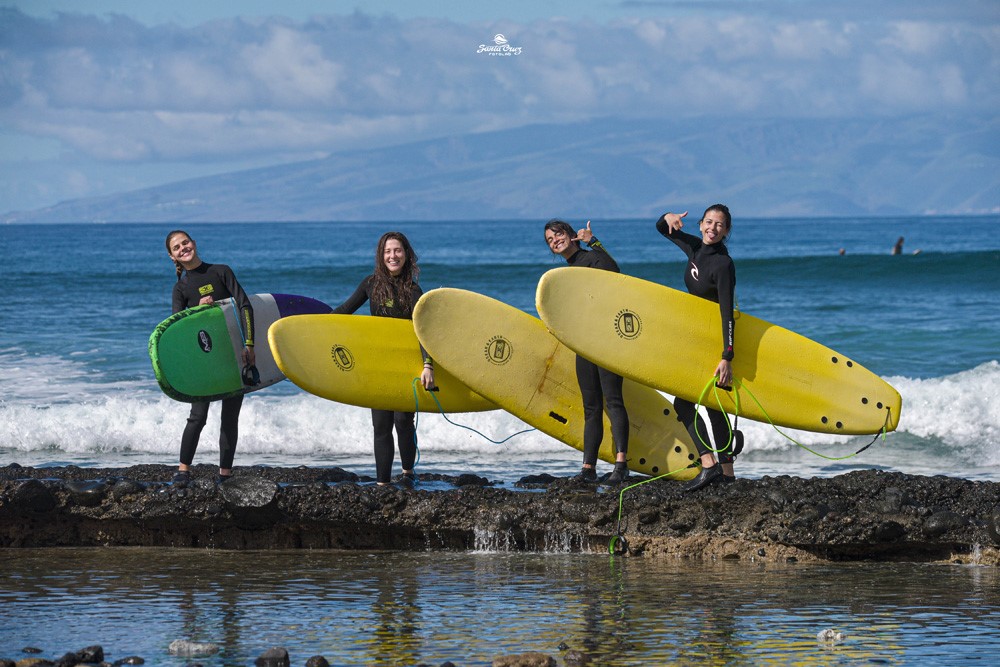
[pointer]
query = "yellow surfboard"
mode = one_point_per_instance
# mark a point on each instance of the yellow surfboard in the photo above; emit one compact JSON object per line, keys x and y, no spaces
{"x":509,"y":357}
{"x":672,"y":340}
{"x":366,"y":361}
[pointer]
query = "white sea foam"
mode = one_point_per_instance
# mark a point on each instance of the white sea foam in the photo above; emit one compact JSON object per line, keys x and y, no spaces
{"x":948,"y":425}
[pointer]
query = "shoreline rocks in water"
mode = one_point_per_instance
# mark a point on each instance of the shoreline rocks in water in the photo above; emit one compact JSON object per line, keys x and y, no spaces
{"x":276,"y":656}
{"x":861,"y":515}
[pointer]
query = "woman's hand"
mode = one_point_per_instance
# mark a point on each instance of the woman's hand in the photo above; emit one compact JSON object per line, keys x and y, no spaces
{"x":674,"y":221}
{"x":249,"y":356}
{"x":724,"y":371}
{"x":584,"y":235}
{"x":206,"y":300}
{"x":427,"y":377}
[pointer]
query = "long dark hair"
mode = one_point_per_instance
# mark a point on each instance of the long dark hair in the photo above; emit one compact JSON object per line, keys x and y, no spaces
{"x":557,"y":225}
{"x":180,"y":269}
{"x":386,"y":287}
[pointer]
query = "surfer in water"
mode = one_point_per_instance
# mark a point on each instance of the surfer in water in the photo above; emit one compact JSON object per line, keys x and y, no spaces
{"x":392,"y":291}
{"x":709,"y":274}
{"x":199,"y":283}
{"x":600,"y":387}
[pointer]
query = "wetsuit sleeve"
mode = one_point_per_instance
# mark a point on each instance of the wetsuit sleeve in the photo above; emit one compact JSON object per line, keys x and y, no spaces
{"x":727,"y":287}
{"x":602,"y":259}
{"x":179,"y":302}
{"x":354,"y":301}
{"x":685,"y":242}
{"x":242,"y":302}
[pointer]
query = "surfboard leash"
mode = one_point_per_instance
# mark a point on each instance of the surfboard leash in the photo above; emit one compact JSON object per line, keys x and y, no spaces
{"x":701,"y":401}
{"x":880,"y":434}
{"x":618,"y":543}
{"x":249,"y":373}
{"x":416,"y":405}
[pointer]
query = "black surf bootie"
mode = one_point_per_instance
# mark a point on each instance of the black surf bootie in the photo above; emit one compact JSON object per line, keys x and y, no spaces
{"x":704,"y":478}
{"x":407,"y":480}
{"x":586,"y":475}
{"x":619,"y":475}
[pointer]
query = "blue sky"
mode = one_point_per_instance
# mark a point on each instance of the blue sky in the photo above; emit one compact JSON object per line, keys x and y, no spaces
{"x":103,"y":96}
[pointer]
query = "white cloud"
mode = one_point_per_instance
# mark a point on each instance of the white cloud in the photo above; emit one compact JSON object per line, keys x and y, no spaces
{"x":292,"y":68}
{"x":894,"y":82}
{"x":116,"y":90}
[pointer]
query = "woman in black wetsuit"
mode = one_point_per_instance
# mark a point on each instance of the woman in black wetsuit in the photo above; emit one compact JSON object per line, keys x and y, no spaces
{"x":392,"y":291}
{"x":710,"y":274}
{"x":600,"y":387}
{"x":200,"y":283}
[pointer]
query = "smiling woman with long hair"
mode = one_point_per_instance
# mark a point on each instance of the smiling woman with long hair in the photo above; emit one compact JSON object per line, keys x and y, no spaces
{"x":392,"y":291}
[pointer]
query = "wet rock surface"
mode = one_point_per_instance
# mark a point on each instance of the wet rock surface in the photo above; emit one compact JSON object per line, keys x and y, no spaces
{"x":863,"y":515}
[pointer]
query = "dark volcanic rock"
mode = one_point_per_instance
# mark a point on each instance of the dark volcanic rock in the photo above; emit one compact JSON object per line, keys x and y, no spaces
{"x":88,"y":494}
{"x":32,"y":496}
{"x":273,"y":657}
{"x":865,"y":515}
{"x":252,"y":501}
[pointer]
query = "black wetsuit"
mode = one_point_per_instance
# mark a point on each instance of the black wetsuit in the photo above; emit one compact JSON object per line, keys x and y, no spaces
{"x":600,"y":387}
{"x":383,"y":421}
{"x":219,"y":282}
{"x":710,"y":274}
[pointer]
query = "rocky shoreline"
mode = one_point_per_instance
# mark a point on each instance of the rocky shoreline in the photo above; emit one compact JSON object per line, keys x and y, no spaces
{"x":863,"y":515}
{"x":93,"y":656}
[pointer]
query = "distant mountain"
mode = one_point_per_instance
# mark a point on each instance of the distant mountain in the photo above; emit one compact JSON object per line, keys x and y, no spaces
{"x":601,"y":169}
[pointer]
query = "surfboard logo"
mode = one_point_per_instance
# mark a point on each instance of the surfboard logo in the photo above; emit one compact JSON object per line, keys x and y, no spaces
{"x":498,"y":350}
{"x":342,"y":357}
{"x":204,"y":341}
{"x":627,"y":324}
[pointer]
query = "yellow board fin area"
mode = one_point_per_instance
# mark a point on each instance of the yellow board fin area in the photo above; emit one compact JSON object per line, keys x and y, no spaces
{"x":671,"y":340}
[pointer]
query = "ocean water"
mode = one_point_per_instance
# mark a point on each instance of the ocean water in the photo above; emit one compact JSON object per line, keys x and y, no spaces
{"x":426,"y":608}
{"x":76,"y":384}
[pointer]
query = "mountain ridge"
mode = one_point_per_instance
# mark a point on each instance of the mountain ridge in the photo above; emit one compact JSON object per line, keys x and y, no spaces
{"x":606,"y":168}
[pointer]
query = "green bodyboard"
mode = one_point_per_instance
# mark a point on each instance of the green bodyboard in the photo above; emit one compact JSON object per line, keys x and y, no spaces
{"x":184,"y":368}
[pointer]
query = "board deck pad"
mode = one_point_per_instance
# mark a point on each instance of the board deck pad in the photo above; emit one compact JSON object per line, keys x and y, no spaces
{"x":367,"y":361}
{"x":672,"y":340}
{"x":196,"y":353}
{"x":509,"y":357}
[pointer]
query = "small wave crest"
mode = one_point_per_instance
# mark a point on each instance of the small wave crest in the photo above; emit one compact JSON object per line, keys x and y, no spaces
{"x":947,"y":425}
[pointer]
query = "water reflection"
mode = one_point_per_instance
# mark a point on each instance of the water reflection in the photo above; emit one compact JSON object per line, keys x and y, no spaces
{"x":408,"y":608}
